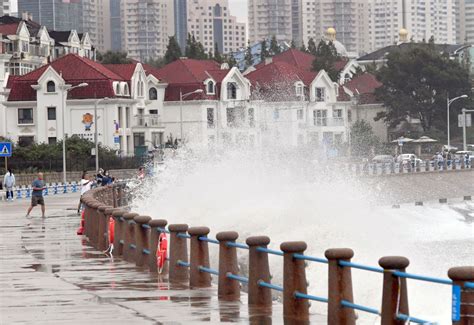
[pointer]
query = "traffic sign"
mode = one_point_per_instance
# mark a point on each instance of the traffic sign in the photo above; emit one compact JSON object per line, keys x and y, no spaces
{"x":468,"y":121}
{"x":5,"y":149}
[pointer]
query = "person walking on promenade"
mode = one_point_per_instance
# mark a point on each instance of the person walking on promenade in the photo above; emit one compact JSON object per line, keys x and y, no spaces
{"x":9,"y":182}
{"x":37,"y":195}
{"x":86,"y":185}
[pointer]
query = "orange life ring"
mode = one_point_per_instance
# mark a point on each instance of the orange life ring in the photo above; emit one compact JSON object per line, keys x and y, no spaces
{"x":161,"y":252}
{"x":111,"y":230}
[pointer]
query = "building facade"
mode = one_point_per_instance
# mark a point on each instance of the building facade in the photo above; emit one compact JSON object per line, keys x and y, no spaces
{"x":5,"y":8}
{"x":465,"y":21}
{"x":181,"y":22}
{"x":97,"y":22}
{"x":211,"y":23}
{"x":145,"y":27}
{"x":267,"y":18}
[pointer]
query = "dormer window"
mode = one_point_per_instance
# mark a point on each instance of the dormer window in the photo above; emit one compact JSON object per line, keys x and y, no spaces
{"x":347,"y":78}
{"x":210,"y":87}
{"x":51,"y":87}
{"x":126,"y":92}
{"x":320,"y":94}
{"x":152,"y":94}
{"x":231,"y":90}
{"x":117,"y":89}
{"x":299,"y":89}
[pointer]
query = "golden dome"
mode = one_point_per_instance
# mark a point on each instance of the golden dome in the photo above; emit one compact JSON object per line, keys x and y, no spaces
{"x":403,"y":32}
{"x":331,"y":31}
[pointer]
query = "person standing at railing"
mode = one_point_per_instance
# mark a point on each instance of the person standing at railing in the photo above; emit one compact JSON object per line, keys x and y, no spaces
{"x":9,"y":182}
{"x":37,"y":195}
{"x":86,"y":185}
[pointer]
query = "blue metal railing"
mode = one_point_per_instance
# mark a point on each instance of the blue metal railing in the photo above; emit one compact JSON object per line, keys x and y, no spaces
{"x":166,"y":231}
{"x":361,"y":267}
{"x":237,"y":245}
{"x":348,"y":304}
{"x":269,"y":251}
{"x":408,"y":318}
{"x":132,"y":246}
{"x":183,"y":235}
{"x":300,"y":295}
{"x":209,"y":240}
{"x":184,"y":264}
{"x":145,"y":226}
{"x":421,"y":278}
{"x":208,"y":270}
{"x":237,"y":278}
{"x":469,"y":285}
{"x":309,"y":258}
{"x":131,"y":222}
{"x":264,"y":284}
{"x":121,"y":241}
{"x":146,"y":251}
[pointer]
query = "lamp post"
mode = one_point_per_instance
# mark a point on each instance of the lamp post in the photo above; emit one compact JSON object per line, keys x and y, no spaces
{"x":449,"y":102}
{"x":66,"y":89}
{"x":181,"y":97}
{"x":96,"y":135}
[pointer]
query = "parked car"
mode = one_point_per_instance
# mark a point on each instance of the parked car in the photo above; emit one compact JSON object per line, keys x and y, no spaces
{"x":408,"y":158}
{"x":385,"y":159}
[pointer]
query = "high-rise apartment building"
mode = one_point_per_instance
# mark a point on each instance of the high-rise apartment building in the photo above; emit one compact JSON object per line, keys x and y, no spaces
{"x":465,"y":21}
{"x":115,"y":25}
{"x":97,"y":22}
{"x":181,"y":22}
{"x":211,"y":23}
{"x":59,"y":15}
{"x":267,"y":18}
{"x":422,"y":20}
{"x":5,"y":8}
{"x":145,"y":26}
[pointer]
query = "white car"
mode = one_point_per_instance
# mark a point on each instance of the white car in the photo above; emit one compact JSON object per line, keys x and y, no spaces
{"x":407,"y":158}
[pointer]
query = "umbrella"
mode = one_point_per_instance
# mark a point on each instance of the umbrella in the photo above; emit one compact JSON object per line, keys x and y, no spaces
{"x":402,"y":139}
{"x":425,"y":139}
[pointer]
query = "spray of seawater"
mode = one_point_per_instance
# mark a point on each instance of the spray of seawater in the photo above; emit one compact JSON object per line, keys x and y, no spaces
{"x":290,"y":195}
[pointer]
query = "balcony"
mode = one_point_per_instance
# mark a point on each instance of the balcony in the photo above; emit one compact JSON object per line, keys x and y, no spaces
{"x":147,"y":121}
{"x":330,"y":122}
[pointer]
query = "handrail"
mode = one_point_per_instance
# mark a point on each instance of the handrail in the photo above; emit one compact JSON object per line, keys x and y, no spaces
{"x":145,"y":226}
{"x":309,"y":258}
{"x":160,"y":229}
{"x":132,"y":246}
{"x":209,"y":240}
{"x":208,"y":270}
{"x":421,"y":277}
{"x":236,"y":245}
{"x":361,"y":267}
{"x":310,"y":297}
{"x":146,"y":251}
{"x":184,"y":264}
{"x":408,"y":318}
{"x":469,"y":285}
{"x":262,"y":283}
{"x":183,"y":235}
{"x":348,"y":304}
{"x":237,"y":278}
{"x":269,"y":251}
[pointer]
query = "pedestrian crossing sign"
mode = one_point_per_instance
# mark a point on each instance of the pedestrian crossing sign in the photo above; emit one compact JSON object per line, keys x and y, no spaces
{"x":5,"y":149}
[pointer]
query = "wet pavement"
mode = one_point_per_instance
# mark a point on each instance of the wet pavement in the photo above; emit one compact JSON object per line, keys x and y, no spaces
{"x":50,"y":276}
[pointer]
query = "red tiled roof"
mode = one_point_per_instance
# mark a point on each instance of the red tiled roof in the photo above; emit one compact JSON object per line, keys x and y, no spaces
{"x":280,"y":72}
{"x":8,"y":29}
{"x":74,"y":70}
{"x":124,"y":70}
{"x":364,"y":86}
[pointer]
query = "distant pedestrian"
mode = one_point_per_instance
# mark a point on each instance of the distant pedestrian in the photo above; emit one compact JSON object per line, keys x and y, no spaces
{"x":440,"y":159}
{"x":106,"y":179}
{"x":37,"y":195}
{"x":467,"y":159}
{"x":86,"y":185}
{"x":99,"y":177}
{"x":9,"y":182}
{"x":141,"y":173}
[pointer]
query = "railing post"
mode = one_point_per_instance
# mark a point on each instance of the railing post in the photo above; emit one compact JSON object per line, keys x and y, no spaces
{"x":400,"y":168}
{"x":102,"y":226}
{"x":118,"y":232}
{"x":128,"y":236}
{"x":427,"y":165}
{"x":142,"y":235}
{"x":93,"y":222}
{"x":199,"y":257}
{"x":178,"y":252}
{"x":395,"y":294}
{"x":339,"y":286}
{"x":108,"y":214}
{"x":294,"y":280}
{"x":87,"y":215}
{"x":258,"y":270}
{"x":461,"y":275}
{"x":228,"y":289}
{"x":155,"y":232}
{"x":114,"y":198}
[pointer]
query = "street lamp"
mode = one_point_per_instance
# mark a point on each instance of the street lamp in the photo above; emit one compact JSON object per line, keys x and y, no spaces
{"x":449,"y":102}
{"x":181,"y":97}
{"x":66,"y":89}
{"x":96,"y":135}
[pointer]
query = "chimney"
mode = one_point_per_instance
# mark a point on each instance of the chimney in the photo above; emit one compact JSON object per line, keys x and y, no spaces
{"x":30,"y":16}
{"x":24,"y":15}
{"x":268,"y":60}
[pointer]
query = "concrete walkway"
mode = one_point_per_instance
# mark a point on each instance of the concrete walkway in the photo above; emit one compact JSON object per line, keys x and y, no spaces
{"x":50,"y":276}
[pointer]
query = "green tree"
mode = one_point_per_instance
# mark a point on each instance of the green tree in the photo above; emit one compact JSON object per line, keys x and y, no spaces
{"x":363,"y":139}
{"x":416,"y":83}
{"x":248,"y":56}
{"x":173,"y":51}
{"x":311,"y":46}
{"x":156,"y":63}
{"x":264,"y":51}
{"x":194,"y":49}
{"x":274,"y":47}
{"x":293,"y":44}
{"x":230,"y":60}
{"x":217,"y":55}
{"x":325,"y":59}
{"x":303,"y":47}
{"x":113,"y":57}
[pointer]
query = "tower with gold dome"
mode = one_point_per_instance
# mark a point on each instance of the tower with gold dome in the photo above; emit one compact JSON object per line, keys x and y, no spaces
{"x":330,"y":36}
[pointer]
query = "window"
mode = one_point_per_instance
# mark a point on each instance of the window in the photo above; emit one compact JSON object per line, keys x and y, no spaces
{"x":26,"y":141}
{"x":139,"y":139}
{"x":300,"y":114}
{"x":117,"y":89}
{"x":231,"y":90}
{"x":125,"y":90}
{"x":347,"y":78}
{"x":210,"y":118}
{"x":127,"y":117}
{"x":51,"y":87}
{"x":320,"y":94}
{"x":320,"y":117}
{"x":51,"y":113}
{"x":153,"y":93}
{"x":25,"y":116}
{"x":52,"y":140}
{"x":210,"y":87}
{"x":153,"y":111}
{"x":251,"y":117}
{"x":299,"y":90}
{"x":349,"y":115}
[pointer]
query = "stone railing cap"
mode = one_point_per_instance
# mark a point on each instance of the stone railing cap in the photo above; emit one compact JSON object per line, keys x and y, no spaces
{"x":198,"y":231}
{"x":178,"y":227}
{"x":103,"y":207}
{"x":258,"y":240}
{"x":161,"y":223}
{"x":461,"y":273}
{"x":227,"y":235}
{"x":129,"y":215}
{"x":293,"y":246}
{"x":339,"y":253}
{"x":394,"y":262}
{"x":119,"y":213}
{"x":142,"y":219}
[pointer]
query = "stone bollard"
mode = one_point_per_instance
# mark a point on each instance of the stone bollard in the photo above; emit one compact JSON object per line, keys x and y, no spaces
{"x":128,"y":236}
{"x":228,"y":289}
{"x":339,"y":286}
{"x":294,"y":280}
{"x":463,"y":309}
{"x":395,"y":293}
{"x":427,"y":165}
{"x":418,"y":167}
{"x":400,"y":168}
{"x":114,"y":196}
{"x":118,"y":232}
{"x":93,"y":222}
{"x":178,"y":252}
{"x":86,"y":201}
{"x":199,"y":256}
{"x":142,"y":240}
{"x":155,"y":232}
{"x":102,"y":227}
{"x":258,"y":270}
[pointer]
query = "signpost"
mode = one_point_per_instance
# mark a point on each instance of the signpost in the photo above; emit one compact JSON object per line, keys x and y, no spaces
{"x":464,"y":121}
{"x":6,"y":151}
{"x":456,"y":304}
